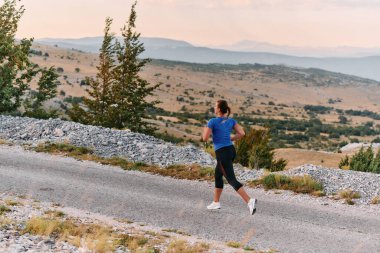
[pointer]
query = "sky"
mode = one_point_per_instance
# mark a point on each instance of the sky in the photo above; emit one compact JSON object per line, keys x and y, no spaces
{"x":309,"y":23}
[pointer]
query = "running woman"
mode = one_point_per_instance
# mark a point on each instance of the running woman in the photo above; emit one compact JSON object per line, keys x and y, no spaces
{"x":221,"y":128}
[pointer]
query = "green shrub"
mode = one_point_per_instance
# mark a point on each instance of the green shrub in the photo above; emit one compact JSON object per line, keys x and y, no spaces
{"x":375,"y":163}
{"x":273,"y":181}
{"x":299,"y":184}
{"x":254,"y":151}
{"x":40,"y":113}
{"x":361,"y":161}
{"x":344,"y":163}
{"x":278,"y":165}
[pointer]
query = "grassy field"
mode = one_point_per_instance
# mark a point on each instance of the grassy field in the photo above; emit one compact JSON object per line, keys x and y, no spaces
{"x":255,"y":92}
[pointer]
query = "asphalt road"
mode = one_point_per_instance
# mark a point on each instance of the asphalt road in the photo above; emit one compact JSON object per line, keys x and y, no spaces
{"x":180,"y":204}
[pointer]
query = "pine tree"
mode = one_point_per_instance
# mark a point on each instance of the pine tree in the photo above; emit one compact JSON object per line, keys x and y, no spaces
{"x":16,"y":70}
{"x":118,"y":95}
{"x":100,"y":96}
{"x":46,"y":89}
{"x":253,"y":150}
{"x":130,"y":91}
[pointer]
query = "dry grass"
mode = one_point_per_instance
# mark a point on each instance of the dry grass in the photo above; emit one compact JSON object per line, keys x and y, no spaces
{"x":55,"y":214}
{"x":4,"y":222}
{"x":181,"y":246}
{"x":95,"y":237}
{"x":298,"y":184}
{"x":4,"y":209}
{"x":348,"y":195}
{"x":233,"y":244}
{"x":375,"y":200}
{"x":191,"y":172}
{"x":11,"y":202}
{"x":170,"y":230}
{"x":297,"y":157}
{"x":318,"y":193}
{"x":3,"y":142}
{"x":132,"y":242}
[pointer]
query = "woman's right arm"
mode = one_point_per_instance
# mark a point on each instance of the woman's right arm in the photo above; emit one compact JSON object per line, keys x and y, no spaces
{"x":206,"y":134}
{"x":239,"y":132}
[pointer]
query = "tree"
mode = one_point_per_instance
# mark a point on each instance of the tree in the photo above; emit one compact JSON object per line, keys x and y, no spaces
{"x":342,"y":119}
{"x":16,"y":71}
{"x":253,"y":150}
{"x":100,"y":100}
{"x":46,"y":89}
{"x":118,"y":94}
{"x":130,"y":91}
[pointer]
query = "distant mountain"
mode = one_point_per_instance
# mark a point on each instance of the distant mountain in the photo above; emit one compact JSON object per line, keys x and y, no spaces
{"x":174,"y":50}
{"x":342,"y":51}
{"x":93,"y":44}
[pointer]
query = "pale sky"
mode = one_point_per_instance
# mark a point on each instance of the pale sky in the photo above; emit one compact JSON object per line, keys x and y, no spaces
{"x":317,"y":23}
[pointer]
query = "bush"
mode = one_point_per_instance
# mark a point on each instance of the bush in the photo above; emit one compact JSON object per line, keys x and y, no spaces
{"x":344,"y":163}
{"x":254,"y":151}
{"x":299,"y":184}
{"x":41,"y":113}
{"x":278,"y":165}
{"x":363,"y":160}
{"x":375,"y":163}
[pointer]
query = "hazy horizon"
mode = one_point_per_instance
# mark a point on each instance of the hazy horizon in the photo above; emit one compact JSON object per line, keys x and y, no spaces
{"x":296,"y":23}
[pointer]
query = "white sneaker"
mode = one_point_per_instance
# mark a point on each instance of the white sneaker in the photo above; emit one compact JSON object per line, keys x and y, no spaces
{"x":214,"y":205}
{"x":252,"y":206}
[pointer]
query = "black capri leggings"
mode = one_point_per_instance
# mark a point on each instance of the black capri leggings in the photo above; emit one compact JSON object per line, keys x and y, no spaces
{"x":225,"y":156}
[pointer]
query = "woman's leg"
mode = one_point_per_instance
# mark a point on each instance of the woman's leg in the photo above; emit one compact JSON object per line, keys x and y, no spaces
{"x":218,"y":183}
{"x":243,"y":194}
{"x":226,"y":165}
{"x":217,"y":193}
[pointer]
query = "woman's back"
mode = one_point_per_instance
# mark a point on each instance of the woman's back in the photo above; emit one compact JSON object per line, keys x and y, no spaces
{"x":221,"y":131}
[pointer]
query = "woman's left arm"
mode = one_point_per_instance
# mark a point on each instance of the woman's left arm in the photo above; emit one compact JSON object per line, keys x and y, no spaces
{"x":206,"y":134}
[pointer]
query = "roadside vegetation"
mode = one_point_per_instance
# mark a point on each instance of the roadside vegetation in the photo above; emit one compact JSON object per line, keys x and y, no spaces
{"x":348,"y":195}
{"x":254,"y":151}
{"x":100,"y":237}
{"x":299,"y":184}
{"x":364,"y":160}
{"x":191,"y":172}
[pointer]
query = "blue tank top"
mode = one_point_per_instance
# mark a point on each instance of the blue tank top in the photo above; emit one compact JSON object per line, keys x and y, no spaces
{"x":221,"y":131}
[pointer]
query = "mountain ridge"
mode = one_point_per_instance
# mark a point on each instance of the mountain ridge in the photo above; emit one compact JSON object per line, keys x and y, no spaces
{"x":177,"y":50}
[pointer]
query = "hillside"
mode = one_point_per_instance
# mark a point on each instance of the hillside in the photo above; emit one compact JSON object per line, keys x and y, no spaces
{"x":174,"y":50}
{"x":258,"y":92}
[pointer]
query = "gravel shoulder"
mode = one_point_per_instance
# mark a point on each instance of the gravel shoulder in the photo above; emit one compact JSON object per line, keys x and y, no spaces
{"x":287,"y":222}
